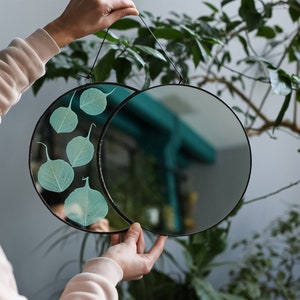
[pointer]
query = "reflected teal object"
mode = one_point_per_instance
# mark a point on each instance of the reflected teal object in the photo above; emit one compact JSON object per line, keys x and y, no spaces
{"x":80,"y":150}
{"x":63,"y":119}
{"x":85,"y":206}
{"x":55,"y":175}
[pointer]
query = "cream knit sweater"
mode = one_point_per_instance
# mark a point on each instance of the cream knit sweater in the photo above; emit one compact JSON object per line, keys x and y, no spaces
{"x":21,"y":63}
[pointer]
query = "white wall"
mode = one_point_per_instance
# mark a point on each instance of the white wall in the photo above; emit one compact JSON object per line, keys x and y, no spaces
{"x":25,"y":222}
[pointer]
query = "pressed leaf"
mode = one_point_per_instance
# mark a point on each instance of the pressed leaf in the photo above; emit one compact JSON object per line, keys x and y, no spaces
{"x":80,"y":150}
{"x":64,"y":119}
{"x":85,"y":206}
{"x":55,"y":175}
{"x":93,"y":101}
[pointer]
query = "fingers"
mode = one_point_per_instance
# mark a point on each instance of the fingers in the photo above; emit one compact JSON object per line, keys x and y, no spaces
{"x":133,"y":233}
{"x":158,"y":247}
{"x":141,"y":244}
{"x":114,"y":239}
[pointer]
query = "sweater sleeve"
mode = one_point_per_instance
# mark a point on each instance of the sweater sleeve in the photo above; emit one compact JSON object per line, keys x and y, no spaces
{"x":21,"y":64}
{"x":8,"y":287}
{"x":97,"y":281}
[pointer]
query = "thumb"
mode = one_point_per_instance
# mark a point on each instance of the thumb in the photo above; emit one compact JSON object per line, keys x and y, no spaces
{"x":133,"y":233}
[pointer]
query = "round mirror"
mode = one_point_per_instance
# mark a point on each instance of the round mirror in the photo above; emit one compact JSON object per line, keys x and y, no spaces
{"x":174,"y":158}
{"x":63,"y":157}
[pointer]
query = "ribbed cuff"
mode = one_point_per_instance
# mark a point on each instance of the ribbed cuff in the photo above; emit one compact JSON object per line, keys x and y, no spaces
{"x":43,"y":44}
{"x":104,"y":265}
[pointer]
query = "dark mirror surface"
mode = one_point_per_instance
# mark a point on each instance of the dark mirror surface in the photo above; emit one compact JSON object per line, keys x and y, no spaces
{"x":63,"y":157}
{"x":174,"y":158}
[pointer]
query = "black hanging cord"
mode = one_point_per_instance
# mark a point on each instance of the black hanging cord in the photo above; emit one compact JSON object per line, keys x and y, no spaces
{"x":90,"y":74}
{"x":165,"y":53}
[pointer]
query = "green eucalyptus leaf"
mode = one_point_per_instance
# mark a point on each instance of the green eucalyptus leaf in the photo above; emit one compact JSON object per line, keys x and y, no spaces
{"x":64,"y":119}
{"x":93,"y":101}
{"x":80,"y":150}
{"x":55,"y":175}
{"x":85,"y":206}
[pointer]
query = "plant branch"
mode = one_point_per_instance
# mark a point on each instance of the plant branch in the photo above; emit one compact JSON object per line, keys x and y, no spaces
{"x":273,"y":193}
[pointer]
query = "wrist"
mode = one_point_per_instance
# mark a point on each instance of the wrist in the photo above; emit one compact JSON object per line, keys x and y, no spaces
{"x":58,"y":33}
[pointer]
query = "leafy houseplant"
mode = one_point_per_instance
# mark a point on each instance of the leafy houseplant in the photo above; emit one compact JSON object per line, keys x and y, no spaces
{"x":270,"y":268}
{"x":202,"y":50}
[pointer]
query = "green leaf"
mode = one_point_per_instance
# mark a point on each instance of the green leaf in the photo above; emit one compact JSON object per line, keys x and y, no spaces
{"x":266,"y":31}
{"x":123,"y":68}
{"x":280,"y":82}
{"x":64,"y":119}
{"x":80,"y":150}
{"x":204,"y":289}
{"x":85,"y":206}
{"x":109,"y":36}
{"x":205,"y":53}
{"x":249,"y":14}
{"x":283,"y":110}
{"x":136,"y":57}
{"x":104,"y":66}
{"x":125,"y":23}
{"x":93,"y":101}
{"x":167,"y":33}
{"x":151,"y":51}
{"x":244,"y":44}
{"x":224,"y":2}
{"x":212,"y":7}
{"x":55,"y":175}
{"x":294,"y":9}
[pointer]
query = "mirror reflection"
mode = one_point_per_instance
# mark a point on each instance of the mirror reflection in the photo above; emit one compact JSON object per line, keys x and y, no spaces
{"x":63,"y":157}
{"x":174,"y":158}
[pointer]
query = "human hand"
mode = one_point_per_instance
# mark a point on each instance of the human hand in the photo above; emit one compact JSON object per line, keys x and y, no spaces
{"x":84,"y":17}
{"x":130,"y":254}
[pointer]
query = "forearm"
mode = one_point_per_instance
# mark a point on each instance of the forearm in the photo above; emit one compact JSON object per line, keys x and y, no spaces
{"x":21,"y":63}
{"x":98,"y":280}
